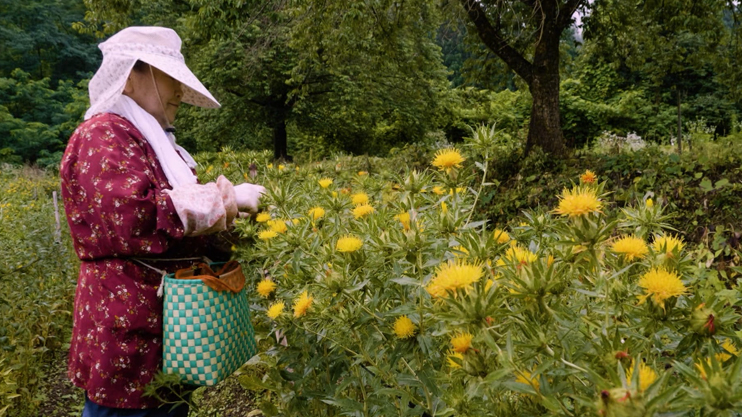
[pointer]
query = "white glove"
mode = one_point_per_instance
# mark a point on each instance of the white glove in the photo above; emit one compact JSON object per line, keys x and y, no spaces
{"x":248,"y":196}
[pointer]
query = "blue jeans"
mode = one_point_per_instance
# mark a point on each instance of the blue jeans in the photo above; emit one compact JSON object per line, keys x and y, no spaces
{"x":94,"y":410}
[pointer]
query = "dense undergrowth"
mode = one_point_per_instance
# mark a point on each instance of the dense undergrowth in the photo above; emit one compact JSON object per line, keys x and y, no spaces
{"x":37,"y":273}
{"x":698,"y":191}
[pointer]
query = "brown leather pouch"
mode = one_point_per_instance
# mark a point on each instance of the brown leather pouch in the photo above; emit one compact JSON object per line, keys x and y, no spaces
{"x":229,"y":277}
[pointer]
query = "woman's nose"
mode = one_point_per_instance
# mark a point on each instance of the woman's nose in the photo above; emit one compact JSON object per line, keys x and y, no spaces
{"x":179,"y":90}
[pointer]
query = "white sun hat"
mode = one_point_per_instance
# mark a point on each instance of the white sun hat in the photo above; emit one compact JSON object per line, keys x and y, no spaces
{"x":156,"y":46}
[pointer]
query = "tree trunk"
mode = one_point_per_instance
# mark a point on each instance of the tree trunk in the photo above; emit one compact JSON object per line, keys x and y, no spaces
{"x":542,"y":75}
{"x":280,"y":141}
{"x":545,"y":129}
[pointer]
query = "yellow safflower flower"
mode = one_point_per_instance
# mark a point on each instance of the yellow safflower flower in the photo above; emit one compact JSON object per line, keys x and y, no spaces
{"x":263,"y":217}
{"x":316,"y":213}
{"x":501,"y":236}
{"x":519,"y":255}
{"x":661,"y":285}
{"x":278,"y":226}
{"x":403,"y":327}
{"x":452,"y":276}
{"x":348,"y":244}
{"x":588,"y":177}
{"x":649,"y":203}
{"x":720,"y":357}
{"x":447,"y":159}
{"x":460,"y":252}
{"x":439,"y":190}
{"x":266,"y":287}
{"x":451,"y":355}
{"x":404,"y":218}
{"x":444,"y":207}
{"x":362,"y":210}
{"x":525,"y":377}
{"x":359,"y":198}
{"x":579,"y":201}
{"x":302,"y":304}
{"x":276,"y":309}
{"x":325,"y":182}
{"x":667,"y":243}
{"x":362,"y":173}
{"x":267,"y":234}
{"x":630,"y":247}
{"x":647,"y":375}
{"x":461,"y":342}
{"x":729,"y":347}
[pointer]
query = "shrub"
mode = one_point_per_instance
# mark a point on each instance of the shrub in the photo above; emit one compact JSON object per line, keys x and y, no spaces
{"x":420,"y":308}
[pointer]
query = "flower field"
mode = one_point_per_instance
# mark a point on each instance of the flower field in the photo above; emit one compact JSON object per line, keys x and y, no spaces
{"x":378,"y":290}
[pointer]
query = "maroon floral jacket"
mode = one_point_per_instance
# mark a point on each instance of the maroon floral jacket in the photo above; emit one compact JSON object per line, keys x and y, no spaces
{"x":117,"y":210}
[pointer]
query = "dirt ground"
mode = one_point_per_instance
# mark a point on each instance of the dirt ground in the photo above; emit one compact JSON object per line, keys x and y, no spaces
{"x":62,"y":399}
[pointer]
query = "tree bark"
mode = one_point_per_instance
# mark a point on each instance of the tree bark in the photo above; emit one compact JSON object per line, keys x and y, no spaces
{"x":542,"y":75}
{"x":545,"y":128}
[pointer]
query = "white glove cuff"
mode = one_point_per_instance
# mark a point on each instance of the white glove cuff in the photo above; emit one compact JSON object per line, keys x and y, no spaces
{"x":200,"y":208}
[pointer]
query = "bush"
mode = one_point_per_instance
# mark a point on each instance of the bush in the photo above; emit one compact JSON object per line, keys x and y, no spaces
{"x":587,"y":304}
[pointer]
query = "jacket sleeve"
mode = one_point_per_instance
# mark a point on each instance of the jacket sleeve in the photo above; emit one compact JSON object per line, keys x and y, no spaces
{"x":116,"y":205}
{"x":205,"y":208}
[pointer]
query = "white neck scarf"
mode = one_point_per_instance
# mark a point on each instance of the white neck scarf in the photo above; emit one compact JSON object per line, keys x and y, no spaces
{"x":176,"y":162}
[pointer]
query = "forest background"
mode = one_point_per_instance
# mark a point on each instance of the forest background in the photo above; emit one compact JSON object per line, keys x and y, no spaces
{"x":311,"y":78}
{"x":343,"y":82}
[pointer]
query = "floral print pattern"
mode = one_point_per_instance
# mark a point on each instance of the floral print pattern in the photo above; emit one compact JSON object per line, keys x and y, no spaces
{"x":116,"y":199}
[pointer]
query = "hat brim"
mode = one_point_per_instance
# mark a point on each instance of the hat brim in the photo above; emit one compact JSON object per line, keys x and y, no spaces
{"x":193,"y":91}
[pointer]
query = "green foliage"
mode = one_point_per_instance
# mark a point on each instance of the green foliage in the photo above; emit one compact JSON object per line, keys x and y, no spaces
{"x":675,"y":52}
{"x":36,"y":120}
{"x":360,"y":78}
{"x":560,"y":321}
{"x":700,"y":188}
{"x":38,"y":271}
{"x":547,"y":308}
{"x":37,"y":37}
{"x":43,"y":64}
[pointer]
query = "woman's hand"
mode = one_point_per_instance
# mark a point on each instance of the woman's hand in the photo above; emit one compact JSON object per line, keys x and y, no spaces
{"x":248,"y":196}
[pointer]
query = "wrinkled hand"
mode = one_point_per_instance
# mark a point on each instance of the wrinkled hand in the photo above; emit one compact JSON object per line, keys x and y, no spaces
{"x":248,"y":196}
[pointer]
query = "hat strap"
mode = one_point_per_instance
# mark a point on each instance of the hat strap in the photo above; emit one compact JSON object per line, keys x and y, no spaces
{"x":159,"y":97}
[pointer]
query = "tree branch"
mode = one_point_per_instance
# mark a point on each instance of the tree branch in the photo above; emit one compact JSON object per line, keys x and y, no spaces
{"x":495,"y":41}
{"x":566,"y":12}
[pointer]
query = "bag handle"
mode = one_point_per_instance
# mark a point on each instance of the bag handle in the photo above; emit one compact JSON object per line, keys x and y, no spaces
{"x":160,"y":289}
{"x":227,"y":278}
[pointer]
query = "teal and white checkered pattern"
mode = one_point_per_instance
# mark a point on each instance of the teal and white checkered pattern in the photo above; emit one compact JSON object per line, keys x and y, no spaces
{"x":207,"y":333}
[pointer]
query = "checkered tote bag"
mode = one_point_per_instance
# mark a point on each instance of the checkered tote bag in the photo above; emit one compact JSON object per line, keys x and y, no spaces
{"x":207,"y":330}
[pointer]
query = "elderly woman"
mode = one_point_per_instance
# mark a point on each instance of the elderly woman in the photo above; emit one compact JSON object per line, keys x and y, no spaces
{"x":133,"y":202}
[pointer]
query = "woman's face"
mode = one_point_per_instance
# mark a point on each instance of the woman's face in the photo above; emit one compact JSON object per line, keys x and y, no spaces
{"x":141,"y":88}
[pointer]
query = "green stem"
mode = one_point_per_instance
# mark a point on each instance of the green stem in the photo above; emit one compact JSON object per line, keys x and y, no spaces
{"x":428,"y":397}
{"x":363,"y":391}
{"x":481,"y":187}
